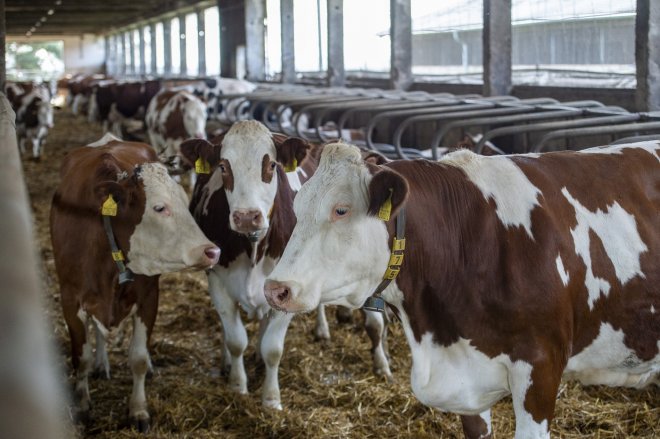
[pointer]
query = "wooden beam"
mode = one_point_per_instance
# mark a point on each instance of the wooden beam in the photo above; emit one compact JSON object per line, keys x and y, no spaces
{"x":401,"y":77}
{"x":288,"y":42}
{"x":647,"y":55}
{"x":497,"y":47}
{"x":336,"y":73}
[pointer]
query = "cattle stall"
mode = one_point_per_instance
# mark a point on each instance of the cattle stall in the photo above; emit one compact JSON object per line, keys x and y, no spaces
{"x":328,"y":387}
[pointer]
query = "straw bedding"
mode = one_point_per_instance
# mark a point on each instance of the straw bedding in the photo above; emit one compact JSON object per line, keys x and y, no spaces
{"x":328,"y":389}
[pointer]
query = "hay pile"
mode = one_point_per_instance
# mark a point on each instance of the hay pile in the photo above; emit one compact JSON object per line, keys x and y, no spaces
{"x":328,"y":389}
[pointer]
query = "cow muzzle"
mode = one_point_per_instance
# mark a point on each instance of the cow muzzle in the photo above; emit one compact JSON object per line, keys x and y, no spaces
{"x":205,"y":256}
{"x":248,"y":221}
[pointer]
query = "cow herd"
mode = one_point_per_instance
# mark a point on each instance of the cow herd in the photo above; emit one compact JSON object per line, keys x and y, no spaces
{"x":507,"y":273}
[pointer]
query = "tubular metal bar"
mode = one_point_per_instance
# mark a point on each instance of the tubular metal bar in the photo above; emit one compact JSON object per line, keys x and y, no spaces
{"x":581,"y":132}
{"x":438,"y":108}
{"x":635,"y":139}
{"x":548,"y":126}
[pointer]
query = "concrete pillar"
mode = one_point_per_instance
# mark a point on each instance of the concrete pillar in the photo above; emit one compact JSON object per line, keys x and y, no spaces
{"x":336,"y":73}
{"x":497,"y":47}
{"x":401,"y":45}
{"x":288,"y":49}
{"x":143,"y":61}
{"x":182,"y":45}
{"x":255,"y":14}
{"x":154,"y":62}
{"x":647,"y":55}
{"x":167,"y":47}
{"x":201,"y":43}
{"x":131,"y":47}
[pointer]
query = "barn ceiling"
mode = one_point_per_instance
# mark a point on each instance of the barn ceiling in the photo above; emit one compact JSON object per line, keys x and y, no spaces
{"x":75,"y":17}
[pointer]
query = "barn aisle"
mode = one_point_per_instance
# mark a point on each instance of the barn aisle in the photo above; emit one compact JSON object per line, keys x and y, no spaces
{"x":328,"y":389}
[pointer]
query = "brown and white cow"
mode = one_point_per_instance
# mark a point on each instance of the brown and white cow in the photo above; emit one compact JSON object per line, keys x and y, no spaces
{"x":153,"y":230}
{"x":245,"y":205}
{"x":517,"y":270}
{"x":34,"y":117}
{"x":172,"y":117}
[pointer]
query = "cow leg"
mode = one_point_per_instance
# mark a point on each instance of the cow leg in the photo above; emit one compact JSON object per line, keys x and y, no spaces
{"x":81,"y":356}
{"x":101,"y":362}
{"x":374,"y":324}
{"x":321,"y":331}
{"x":36,"y":147}
{"x":534,"y":393}
{"x":477,"y":426}
{"x":139,"y":362}
{"x":235,"y":336}
{"x":272,"y":346}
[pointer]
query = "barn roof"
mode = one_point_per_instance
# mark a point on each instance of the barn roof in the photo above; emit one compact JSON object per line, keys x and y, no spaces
{"x":75,"y":17}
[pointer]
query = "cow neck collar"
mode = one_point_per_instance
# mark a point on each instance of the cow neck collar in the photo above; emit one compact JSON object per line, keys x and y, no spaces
{"x":125,"y":274}
{"x":375,"y":302}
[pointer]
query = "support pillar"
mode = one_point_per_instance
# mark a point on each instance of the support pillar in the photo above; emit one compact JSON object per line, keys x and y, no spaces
{"x":497,"y":47}
{"x":647,"y":55}
{"x":336,"y":72}
{"x":255,"y":50}
{"x":201,"y":43}
{"x":401,"y":77}
{"x":167,"y":47}
{"x":288,"y":40}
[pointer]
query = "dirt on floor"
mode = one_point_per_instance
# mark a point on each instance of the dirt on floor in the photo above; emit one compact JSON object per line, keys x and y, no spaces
{"x":328,"y":388}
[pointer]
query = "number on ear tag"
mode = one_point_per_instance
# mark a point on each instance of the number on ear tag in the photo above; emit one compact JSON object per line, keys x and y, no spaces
{"x":386,"y":209}
{"x":109,"y":207}
{"x":202,"y":166}
{"x":293,"y":167}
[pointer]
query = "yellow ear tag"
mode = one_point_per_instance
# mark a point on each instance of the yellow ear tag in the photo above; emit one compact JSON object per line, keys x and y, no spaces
{"x":386,"y":209}
{"x":109,"y":207}
{"x":293,"y":167}
{"x":202,"y":166}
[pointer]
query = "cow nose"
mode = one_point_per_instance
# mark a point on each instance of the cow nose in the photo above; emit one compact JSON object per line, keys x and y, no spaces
{"x":200,"y":136}
{"x":213,"y":254}
{"x":277,"y":294}
{"x":248,"y":220}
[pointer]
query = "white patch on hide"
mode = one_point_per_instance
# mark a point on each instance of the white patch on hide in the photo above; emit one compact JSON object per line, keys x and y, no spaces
{"x":563,"y":274}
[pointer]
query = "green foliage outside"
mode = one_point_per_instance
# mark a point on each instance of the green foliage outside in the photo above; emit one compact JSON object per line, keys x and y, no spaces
{"x":34,"y":60}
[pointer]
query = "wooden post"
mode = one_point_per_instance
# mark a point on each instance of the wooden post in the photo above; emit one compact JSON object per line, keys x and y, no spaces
{"x":647,"y":55}
{"x":497,"y":47}
{"x":401,"y":77}
{"x":336,"y":73}
{"x":255,"y":13}
{"x":288,"y":40}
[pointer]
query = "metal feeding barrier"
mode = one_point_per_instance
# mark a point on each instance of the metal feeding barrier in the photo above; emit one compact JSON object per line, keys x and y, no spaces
{"x":417,"y":124}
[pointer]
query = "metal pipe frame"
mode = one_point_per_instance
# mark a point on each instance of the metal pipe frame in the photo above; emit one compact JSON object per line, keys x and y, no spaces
{"x":591,"y":131}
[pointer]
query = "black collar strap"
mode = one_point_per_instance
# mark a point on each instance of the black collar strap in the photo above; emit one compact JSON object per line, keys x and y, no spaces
{"x":376,"y":302}
{"x":125,"y":275}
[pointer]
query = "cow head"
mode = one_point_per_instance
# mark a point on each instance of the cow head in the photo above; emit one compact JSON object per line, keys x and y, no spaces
{"x":339,"y":249}
{"x":164,"y":236}
{"x":194,"y":117}
{"x":248,"y":159}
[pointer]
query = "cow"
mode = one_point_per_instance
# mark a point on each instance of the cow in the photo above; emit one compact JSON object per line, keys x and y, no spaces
{"x":131,"y":100}
{"x":34,"y":118}
{"x":244,"y":205}
{"x":513,"y":270}
{"x":212,"y":90}
{"x":118,"y":221}
{"x":172,"y":117}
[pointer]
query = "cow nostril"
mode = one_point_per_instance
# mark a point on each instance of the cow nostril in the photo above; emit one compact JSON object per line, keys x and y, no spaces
{"x":283,"y":295}
{"x":212,"y":253}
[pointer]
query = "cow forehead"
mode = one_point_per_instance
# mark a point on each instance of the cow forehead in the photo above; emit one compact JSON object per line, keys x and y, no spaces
{"x":158,"y":183}
{"x":247,"y":140}
{"x":341,"y":178}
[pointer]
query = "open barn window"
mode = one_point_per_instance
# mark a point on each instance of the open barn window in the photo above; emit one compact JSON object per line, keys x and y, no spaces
{"x":447,"y":40}
{"x":192,"y":55}
{"x":367,"y":42}
{"x":311,"y":30}
{"x":590,"y":43}
{"x":212,"y":40}
{"x":135,"y":35}
{"x":175,"y":38}
{"x":34,"y":61}
{"x":160,"y":48}
{"x":146,"y":31}
{"x":273,"y":39}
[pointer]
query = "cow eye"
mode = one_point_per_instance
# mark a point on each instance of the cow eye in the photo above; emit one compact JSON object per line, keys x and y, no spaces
{"x":159,"y":208}
{"x":273,"y":165}
{"x":341,"y":211}
{"x":222,"y":168}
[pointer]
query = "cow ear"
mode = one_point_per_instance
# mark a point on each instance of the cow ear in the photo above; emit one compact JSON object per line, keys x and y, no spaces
{"x":194,"y":149}
{"x":291,"y":151}
{"x":388,"y":191}
{"x":110,"y":196}
{"x":374,"y":157}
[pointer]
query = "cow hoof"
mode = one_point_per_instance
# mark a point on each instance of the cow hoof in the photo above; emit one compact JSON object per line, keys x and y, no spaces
{"x":273,"y":404}
{"x":141,"y":425}
{"x":241,"y":389}
{"x":320,"y":335}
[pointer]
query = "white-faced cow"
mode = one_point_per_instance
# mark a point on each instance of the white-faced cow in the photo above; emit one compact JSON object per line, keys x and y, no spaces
{"x":245,"y":205}
{"x":34,"y":117}
{"x":516,"y":271}
{"x":117,"y":213}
